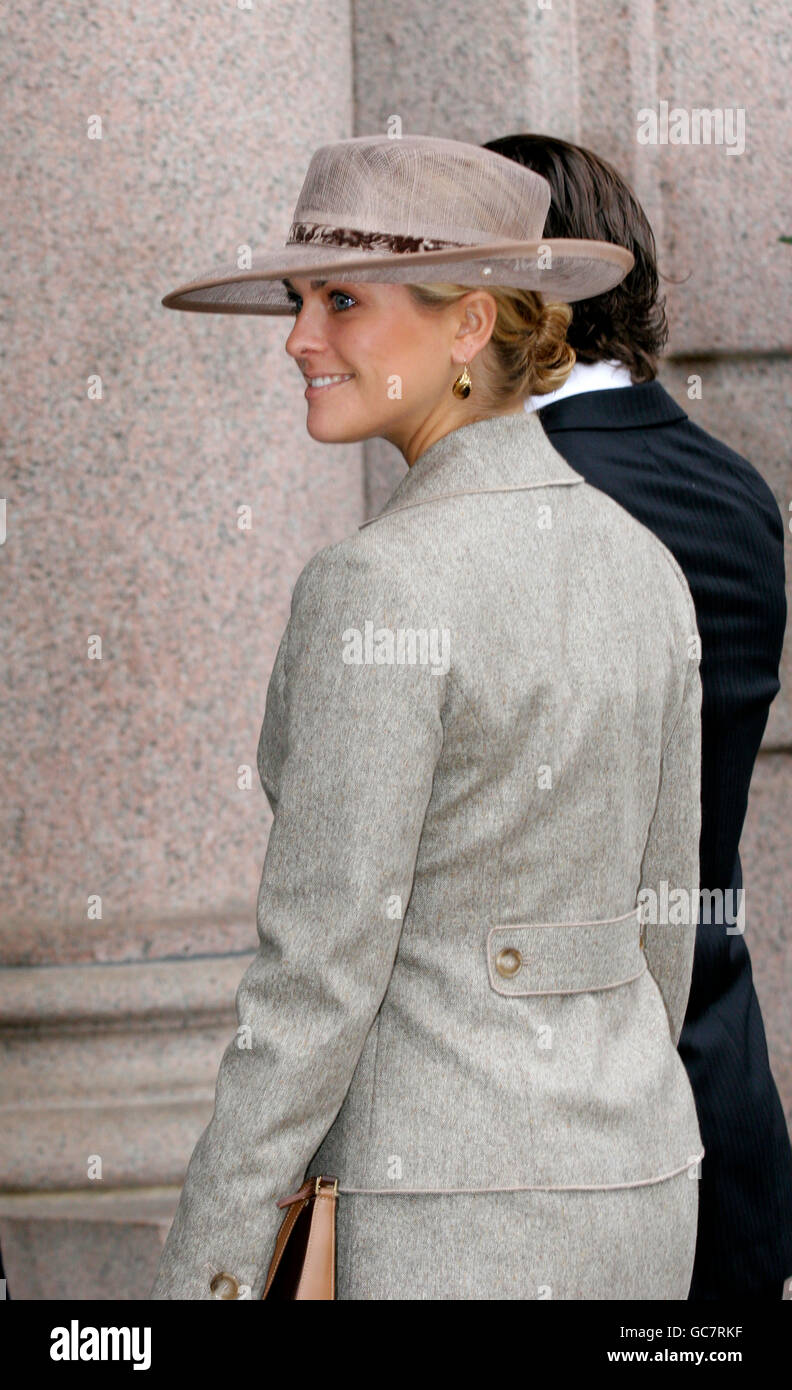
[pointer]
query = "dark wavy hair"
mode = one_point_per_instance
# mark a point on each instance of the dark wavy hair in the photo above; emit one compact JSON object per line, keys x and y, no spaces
{"x":590,"y":199}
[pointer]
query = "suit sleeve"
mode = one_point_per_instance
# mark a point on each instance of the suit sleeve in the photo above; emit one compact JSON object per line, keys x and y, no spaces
{"x":271,"y":750}
{"x":347,"y":759}
{"x":671,"y":856}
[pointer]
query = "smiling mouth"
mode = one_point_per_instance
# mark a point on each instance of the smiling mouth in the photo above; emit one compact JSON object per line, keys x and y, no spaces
{"x":325,"y":383}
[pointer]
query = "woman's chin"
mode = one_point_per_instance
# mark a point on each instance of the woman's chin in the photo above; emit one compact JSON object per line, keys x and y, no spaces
{"x":326,"y":430}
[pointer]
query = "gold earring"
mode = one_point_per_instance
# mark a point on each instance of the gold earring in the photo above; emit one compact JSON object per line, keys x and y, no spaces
{"x":463,"y":383}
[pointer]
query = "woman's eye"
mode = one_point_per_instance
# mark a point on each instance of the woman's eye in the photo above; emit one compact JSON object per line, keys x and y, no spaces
{"x":341,"y":294}
{"x":295,"y":301}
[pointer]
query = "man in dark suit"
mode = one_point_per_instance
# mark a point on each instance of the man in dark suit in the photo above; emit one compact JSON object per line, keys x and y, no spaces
{"x":620,"y":428}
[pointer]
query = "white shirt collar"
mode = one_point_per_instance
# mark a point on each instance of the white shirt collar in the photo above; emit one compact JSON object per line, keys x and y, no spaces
{"x":585,"y":376}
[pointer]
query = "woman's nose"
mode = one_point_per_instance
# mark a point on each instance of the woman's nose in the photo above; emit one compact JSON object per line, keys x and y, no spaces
{"x":307,"y":335}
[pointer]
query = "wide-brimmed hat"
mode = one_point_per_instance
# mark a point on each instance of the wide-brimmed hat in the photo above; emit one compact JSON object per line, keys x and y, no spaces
{"x":409,"y":210}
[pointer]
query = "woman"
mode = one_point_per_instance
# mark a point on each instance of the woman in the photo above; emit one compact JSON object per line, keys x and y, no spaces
{"x":481,"y":749}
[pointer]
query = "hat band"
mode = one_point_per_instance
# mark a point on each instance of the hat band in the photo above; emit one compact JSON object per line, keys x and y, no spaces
{"x":368,"y":241}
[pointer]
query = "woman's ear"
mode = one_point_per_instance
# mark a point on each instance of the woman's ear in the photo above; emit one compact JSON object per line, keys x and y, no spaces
{"x":481,"y":312}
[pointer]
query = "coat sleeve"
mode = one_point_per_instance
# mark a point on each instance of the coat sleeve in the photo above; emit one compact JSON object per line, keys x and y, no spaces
{"x":347,"y":758}
{"x":671,"y":855}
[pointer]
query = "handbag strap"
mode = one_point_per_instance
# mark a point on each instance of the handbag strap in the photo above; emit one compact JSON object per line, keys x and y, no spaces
{"x":310,"y":1188}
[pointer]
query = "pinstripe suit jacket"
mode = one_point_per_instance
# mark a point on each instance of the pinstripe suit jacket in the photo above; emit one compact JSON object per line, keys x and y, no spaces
{"x":481,"y":746}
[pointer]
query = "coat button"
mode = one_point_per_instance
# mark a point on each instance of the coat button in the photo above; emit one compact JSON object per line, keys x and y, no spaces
{"x":508,"y":961}
{"x":224,"y":1286}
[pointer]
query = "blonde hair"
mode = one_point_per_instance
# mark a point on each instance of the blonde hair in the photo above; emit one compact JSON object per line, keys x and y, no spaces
{"x":531,"y":355}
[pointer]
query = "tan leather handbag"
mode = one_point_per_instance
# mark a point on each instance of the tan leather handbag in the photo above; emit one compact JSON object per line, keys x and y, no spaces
{"x":304,"y":1263}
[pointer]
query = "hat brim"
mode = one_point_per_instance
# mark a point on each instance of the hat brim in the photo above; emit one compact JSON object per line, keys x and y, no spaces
{"x":571,"y":271}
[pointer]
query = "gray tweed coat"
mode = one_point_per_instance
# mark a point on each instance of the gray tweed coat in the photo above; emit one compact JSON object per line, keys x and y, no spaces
{"x":481,"y":747}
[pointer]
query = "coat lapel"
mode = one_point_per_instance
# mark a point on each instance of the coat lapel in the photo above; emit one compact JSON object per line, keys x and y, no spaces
{"x":503,"y":453}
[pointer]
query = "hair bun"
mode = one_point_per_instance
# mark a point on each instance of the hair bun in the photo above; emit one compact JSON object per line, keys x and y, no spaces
{"x":549,"y":358}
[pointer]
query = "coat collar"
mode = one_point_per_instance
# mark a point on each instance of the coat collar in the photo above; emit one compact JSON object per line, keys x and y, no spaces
{"x":503,"y":453}
{"x":636,"y":407}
